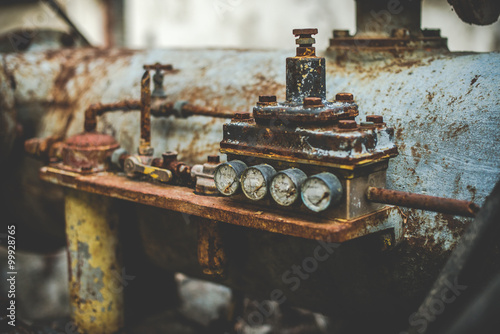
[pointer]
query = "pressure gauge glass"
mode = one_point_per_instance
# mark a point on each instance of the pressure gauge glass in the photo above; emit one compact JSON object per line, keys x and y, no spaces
{"x":255,"y":181}
{"x":227,"y":177}
{"x":321,"y":191}
{"x":285,"y":187}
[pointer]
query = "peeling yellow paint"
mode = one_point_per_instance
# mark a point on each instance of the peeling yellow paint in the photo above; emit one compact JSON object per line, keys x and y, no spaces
{"x":96,"y":294}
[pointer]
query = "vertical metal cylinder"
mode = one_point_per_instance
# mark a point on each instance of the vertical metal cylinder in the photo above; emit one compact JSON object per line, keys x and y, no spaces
{"x":305,"y":77}
{"x":94,"y":256}
{"x":212,"y":255}
{"x":145,"y":142}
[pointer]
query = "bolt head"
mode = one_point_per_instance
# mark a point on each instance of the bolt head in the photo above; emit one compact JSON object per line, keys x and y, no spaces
{"x":307,"y":31}
{"x":267,"y":98}
{"x":377,"y":119}
{"x":344,"y":97}
{"x":347,"y":124}
{"x":242,"y":115}
{"x":312,"y":102}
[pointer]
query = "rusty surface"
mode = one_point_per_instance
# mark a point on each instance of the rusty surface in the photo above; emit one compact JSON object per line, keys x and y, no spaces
{"x":293,"y":114}
{"x":181,"y":170}
{"x":386,"y":29}
{"x":212,"y":255}
{"x":446,"y":133}
{"x":95,"y":263}
{"x":44,"y":149}
{"x":183,"y":200}
{"x":99,"y":109}
{"x":145,"y":126}
{"x":158,"y":67}
{"x":329,"y":145}
{"x":159,"y":108}
{"x":204,"y":176}
{"x":423,"y":202}
{"x":88,"y":152}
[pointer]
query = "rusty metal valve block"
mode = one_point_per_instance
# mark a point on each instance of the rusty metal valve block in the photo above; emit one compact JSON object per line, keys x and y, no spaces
{"x":284,"y":143}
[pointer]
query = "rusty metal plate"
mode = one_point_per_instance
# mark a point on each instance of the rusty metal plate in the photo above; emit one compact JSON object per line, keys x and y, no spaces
{"x":184,"y":200}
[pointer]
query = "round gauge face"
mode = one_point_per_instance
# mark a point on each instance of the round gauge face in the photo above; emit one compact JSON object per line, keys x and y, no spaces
{"x":254,"y":184}
{"x":226,"y":179}
{"x":284,"y":190}
{"x":316,"y":194}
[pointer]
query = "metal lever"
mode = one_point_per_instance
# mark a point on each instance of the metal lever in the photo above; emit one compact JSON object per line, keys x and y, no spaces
{"x":133,"y":165}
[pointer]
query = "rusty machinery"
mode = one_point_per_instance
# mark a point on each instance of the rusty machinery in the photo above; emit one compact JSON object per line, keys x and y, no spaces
{"x":307,"y":162}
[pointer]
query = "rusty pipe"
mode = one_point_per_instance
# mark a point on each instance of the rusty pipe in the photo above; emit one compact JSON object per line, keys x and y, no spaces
{"x":99,"y":109}
{"x":422,"y":202}
{"x":145,"y":143}
{"x":159,"y":108}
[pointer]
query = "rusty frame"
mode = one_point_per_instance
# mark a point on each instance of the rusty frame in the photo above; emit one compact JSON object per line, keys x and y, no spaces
{"x":184,"y":200}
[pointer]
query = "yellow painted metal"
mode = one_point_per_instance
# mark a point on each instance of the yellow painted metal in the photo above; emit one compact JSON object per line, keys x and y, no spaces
{"x":96,"y":287}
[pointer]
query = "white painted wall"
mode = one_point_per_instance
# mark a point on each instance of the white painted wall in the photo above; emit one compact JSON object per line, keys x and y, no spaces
{"x":240,"y":23}
{"x":268,"y":23}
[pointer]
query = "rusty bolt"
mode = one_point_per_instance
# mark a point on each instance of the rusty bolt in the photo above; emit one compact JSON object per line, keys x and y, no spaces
{"x":344,"y":97}
{"x":377,"y":119}
{"x":313,"y":102}
{"x":242,"y":115}
{"x":305,"y":37}
{"x":348,"y":124}
{"x":305,"y":42}
{"x":305,"y":32}
{"x":338,"y":33}
{"x":267,"y":98}
{"x":213,"y":159}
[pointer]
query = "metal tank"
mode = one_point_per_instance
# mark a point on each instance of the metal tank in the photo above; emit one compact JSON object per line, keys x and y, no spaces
{"x":443,"y":106}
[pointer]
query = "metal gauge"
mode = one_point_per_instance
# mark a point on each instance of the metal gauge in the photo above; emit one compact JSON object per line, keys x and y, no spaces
{"x":285,"y":187}
{"x":227,"y":177}
{"x":321,"y":191}
{"x":255,"y":181}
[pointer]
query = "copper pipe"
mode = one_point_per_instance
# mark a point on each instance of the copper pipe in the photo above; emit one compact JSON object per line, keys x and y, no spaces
{"x":422,"y":202}
{"x":145,"y":142}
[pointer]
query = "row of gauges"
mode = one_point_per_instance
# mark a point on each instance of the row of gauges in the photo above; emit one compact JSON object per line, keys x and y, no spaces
{"x":318,"y":192}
